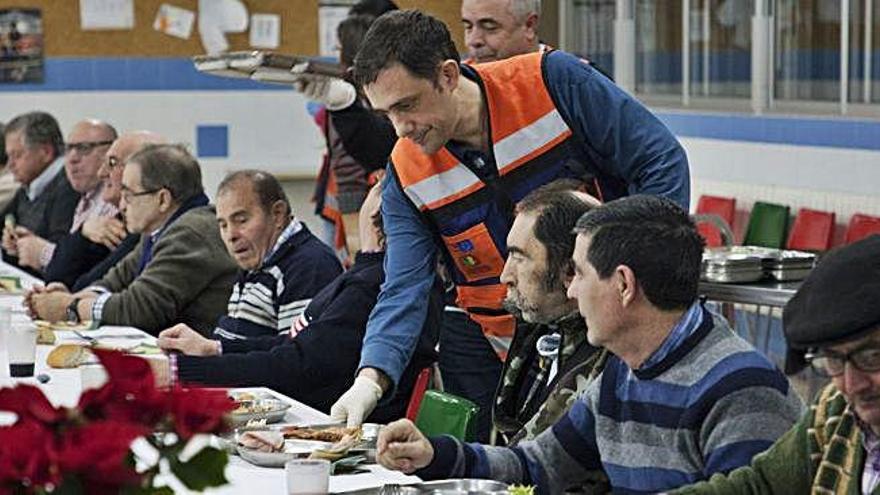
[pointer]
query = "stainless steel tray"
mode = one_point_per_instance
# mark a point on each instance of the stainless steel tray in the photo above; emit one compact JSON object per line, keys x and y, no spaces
{"x":790,"y":274}
{"x":733,"y":277}
{"x":451,"y":487}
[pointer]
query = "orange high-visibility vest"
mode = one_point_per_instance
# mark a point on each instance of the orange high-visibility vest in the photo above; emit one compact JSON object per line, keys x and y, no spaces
{"x":531,"y":144}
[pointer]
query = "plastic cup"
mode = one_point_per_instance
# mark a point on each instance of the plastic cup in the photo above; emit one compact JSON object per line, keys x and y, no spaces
{"x":307,"y":476}
{"x":22,"y":349}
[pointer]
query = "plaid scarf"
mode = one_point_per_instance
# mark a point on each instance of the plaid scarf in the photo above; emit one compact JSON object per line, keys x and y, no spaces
{"x":835,"y":445}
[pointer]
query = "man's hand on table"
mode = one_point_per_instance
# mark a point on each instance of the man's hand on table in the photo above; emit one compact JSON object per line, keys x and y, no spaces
{"x":360,"y":400}
{"x":186,"y":340}
{"x":402,"y":447}
{"x":30,"y":248}
{"x":49,"y":305}
{"x":9,"y":242}
{"x":108,"y":231}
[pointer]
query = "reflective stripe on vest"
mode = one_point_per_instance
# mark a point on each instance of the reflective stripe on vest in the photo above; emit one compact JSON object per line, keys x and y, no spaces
{"x":531,"y":146}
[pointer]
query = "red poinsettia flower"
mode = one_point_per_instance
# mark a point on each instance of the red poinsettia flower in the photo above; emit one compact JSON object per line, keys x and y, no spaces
{"x":130,"y":393}
{"x":28,"y":402}
{"x":27,"y":454}
{"x":97,"y":454}
{"x":199,"y":411}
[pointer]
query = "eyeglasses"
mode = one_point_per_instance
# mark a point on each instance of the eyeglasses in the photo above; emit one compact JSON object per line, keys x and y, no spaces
{"x":85,"y":147}
{"x":127,"y":194}
{"x":830,"y":363}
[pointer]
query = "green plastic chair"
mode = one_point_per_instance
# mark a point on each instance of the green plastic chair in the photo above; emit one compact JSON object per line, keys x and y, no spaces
{"x":768,"y":224}
{"x":445,"y":414}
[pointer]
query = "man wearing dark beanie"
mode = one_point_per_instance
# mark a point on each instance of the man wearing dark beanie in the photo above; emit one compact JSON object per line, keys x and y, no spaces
{"x":832,"y":324}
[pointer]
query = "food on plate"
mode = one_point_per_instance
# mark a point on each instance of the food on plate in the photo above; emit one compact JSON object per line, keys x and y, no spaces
{"x":256,"y":406}
{"x":63,"y":325}
{"x":10,"y":284}
{"x":68,"y":356}
{"x":264,"y":441}
{"x":332,"y":434}
{"x":45,"y":336}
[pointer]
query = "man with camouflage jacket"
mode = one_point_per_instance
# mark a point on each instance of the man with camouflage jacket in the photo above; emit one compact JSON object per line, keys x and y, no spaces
{"x":550,"y":361}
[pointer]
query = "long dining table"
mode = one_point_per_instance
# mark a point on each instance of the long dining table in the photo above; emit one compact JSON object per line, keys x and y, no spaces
{"x":64,"y":386}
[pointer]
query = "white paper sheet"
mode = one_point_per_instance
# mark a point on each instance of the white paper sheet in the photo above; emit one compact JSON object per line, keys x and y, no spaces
{"x":217,"y":17}
{"x":265,"y":31}
{"x":174,"y":21}
{"x":106,"y":14}
{"x":329,"y":17}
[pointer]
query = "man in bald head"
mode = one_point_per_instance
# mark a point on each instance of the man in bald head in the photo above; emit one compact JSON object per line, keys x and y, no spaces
{"x":83,"y":153}
{"x":99,"y":240}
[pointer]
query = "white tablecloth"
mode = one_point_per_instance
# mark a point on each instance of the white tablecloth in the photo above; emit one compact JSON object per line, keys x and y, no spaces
{"x":65,"y":385}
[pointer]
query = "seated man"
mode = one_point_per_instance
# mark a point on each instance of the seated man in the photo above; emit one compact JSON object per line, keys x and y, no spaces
{"x":318,"y":359}
{"x":45,"y":202}
{"x":835,"y":319}
{"x":550,"y":361}
{"x":681,"y":398}
{"x":84,"y":152}
{"x":179,"y":273}
{"x":101,"y":241}
{"x":282,"y":264}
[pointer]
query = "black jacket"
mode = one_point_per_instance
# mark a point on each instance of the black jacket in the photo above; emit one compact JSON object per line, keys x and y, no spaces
{"x":320,"y":363}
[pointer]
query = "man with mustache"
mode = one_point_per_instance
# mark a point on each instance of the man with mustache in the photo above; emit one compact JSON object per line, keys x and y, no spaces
{"x":550,"y":361}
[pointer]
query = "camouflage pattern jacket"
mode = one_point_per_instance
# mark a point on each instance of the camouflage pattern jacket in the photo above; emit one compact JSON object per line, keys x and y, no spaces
{"x":524,"y":408}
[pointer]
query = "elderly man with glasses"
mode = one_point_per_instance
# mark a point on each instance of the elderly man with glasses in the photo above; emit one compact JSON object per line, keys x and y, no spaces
{"x":83,"y":154}
{"x":44,"y":204}
{"x":832,"y":323}
{"x":179,"y":273}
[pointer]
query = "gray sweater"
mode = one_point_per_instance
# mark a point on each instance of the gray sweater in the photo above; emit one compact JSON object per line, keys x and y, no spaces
{"x":188,"y":280}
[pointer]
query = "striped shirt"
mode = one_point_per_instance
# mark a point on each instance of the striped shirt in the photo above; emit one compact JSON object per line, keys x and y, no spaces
{"x":705,"y":402}
{"x":266,"y":301}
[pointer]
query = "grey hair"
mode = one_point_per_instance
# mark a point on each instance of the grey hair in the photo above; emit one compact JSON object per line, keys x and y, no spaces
{"x":171,"y":167}
{"x":38,"y":128}
{"x":522,"y":8}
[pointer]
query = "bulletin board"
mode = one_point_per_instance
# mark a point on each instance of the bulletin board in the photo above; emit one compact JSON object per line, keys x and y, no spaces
{"x":299,"y":28}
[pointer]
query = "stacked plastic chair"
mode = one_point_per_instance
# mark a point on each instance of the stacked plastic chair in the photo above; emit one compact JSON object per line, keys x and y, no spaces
{"x":768,"y":223}
{"x":861,"y":226}
{"x":813,"y":230}
{"x":711,"y":210}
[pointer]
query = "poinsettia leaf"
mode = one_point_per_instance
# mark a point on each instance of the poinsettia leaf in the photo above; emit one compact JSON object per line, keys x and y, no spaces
{"x":70,"y":486}
{"x":203,"y":470}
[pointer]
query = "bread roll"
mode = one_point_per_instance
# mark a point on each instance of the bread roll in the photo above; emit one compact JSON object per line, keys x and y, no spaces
{"x":67,"y":356}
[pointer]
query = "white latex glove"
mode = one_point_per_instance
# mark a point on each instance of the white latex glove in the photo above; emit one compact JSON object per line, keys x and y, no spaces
{"x":357,"y":402}
{"x":332,"y":92}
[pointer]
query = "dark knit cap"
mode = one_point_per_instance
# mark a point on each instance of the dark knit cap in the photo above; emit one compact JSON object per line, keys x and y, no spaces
{"x":838,"y":302}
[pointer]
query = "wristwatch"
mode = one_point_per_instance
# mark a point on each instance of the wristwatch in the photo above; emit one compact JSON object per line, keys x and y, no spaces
{"x":72,"y":313}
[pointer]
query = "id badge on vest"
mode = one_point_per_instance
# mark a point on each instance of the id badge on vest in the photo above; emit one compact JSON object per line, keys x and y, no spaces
{"x":474,"y":253}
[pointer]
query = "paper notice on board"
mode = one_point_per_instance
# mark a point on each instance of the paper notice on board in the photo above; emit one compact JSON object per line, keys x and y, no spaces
{"x":329,"y":17}
{"x":218,"y":17}
{"x":106,"y":14}
{"x":174,"y":21}
{"x":265,"y":31}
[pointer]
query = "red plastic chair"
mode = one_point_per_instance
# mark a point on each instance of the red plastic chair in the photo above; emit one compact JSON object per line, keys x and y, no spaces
{"x":861,"y":226}
{"x":418,"y":393}
{"x":813,"y":230}
{"x":723,"y":207}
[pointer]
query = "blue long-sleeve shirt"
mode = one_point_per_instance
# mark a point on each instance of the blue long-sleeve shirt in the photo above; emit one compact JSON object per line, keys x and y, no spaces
{"x":705,"y":402}
{"x":626,"y":143}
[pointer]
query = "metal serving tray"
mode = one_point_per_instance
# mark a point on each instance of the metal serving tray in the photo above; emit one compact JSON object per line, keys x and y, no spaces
{"x":449,"y":487}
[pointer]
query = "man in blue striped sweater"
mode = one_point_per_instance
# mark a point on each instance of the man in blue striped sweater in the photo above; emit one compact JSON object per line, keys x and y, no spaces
{"x":681,"y":398}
